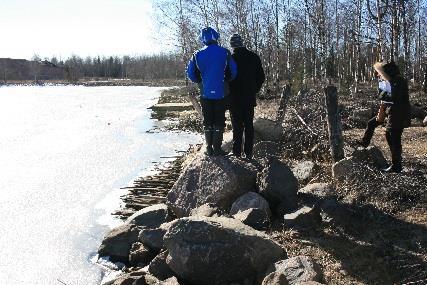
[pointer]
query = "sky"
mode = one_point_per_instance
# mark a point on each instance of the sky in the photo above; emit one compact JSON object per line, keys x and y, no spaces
{"x":82,"y":27}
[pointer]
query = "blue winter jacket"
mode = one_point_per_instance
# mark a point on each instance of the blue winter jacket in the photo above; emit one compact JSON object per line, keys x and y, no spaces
{"x":211,"y":66}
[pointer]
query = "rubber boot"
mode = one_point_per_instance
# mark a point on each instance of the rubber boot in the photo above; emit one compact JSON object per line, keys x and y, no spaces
{"x":217,"y":142}
{"x":209,"y":140}
{"x":369,"y":132}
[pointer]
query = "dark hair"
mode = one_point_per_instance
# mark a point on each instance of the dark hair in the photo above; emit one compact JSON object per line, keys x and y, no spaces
{"x":391,"y":69}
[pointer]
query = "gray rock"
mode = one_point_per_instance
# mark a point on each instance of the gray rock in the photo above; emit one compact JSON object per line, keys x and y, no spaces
{"x":170,"y":281}
{"x":151,"y":217}
{"x":266,"y":149}
{"x":425,"y":122}
{"x":299,"y":269}
{"x":255,"y":218}
{"x":118,"y":241}
{"x":278,"y":184}
{"x":133,"y":278}
{"x":417,"y":111}
{"x":153,"y":238}
{"x":317,"y":191}
{"x":267,"y":130}
{"x":303,"y":170}
{"x":159,"y":268}
{"x":206,"y":210}
{"x":371,"y":155}
{"x":275,"y":278}
{"x":309,"y":283}
{"x":305,"y":217}
{"x":248,"y":201}
{"x":140,"y":255}
{"x":218,"y":180}
{"x":195,"y":244}
{"x":343,"y":168}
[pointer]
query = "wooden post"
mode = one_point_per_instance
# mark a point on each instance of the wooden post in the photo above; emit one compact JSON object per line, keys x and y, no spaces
{"x":194,"y":99}
{"x":284,"y":99}
{"x":334,"y":124}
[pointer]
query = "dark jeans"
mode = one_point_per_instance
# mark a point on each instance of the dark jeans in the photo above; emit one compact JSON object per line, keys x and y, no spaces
{"x":394,"y":140}
{"x":393,"y":137}
{"x":242,"y":121}
{"x":213,"y":114}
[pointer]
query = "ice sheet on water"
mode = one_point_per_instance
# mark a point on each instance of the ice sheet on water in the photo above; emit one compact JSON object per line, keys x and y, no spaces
{"x":65,"y":152}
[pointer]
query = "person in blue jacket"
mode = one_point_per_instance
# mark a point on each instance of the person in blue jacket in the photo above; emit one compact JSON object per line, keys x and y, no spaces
{"x":212,"y":67}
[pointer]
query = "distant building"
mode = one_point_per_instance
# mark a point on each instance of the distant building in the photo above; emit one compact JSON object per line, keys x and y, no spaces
{"x":22,"y":69}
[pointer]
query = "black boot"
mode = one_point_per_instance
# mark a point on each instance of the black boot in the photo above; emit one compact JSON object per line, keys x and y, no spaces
{"x":209,"y":140}
{"x":394,"y":140}
{"x":369,"y":132}
{"x":217,"y":142}
{"x":396,"y":168}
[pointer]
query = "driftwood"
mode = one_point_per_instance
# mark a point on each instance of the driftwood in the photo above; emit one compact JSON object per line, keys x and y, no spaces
{"x":334,"y":124}
{"x":284,"y":99}
{"x":194,"y":99}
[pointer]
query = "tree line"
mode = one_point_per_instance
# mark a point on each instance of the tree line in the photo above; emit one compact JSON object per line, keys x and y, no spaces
{"x":315,"y":40}
{"x":145,"y":67}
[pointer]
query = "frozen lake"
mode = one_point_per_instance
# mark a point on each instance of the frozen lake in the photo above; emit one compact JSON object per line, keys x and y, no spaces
{"x":64,"y":153}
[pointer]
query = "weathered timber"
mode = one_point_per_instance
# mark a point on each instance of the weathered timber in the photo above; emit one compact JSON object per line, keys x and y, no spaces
{"x":150,"y":190}
{"x":334,"y":124}
{"x":194,"y":99}
{"x":284,"y":99}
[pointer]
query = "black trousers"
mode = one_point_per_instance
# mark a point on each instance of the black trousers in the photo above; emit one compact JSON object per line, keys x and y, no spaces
{"x":393,"y":137}
{"x":242,"y":121}
{"x":213,"y":114}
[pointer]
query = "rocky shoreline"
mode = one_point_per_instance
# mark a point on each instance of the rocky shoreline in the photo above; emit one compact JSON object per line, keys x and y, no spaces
{"x":287,"y":217}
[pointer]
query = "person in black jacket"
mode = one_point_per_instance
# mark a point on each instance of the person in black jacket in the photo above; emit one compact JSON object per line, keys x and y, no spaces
{"x":394,"y":95}
{"x":243,"y":91}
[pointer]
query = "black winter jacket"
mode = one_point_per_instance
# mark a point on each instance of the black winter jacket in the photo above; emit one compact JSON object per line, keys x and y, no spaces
{"x":399,"y":113}
{"x":250,"y":77}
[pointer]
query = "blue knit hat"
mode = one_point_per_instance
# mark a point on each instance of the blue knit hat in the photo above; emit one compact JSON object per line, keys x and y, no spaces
{"x":208,"y":35}
{"x":236,"y":41}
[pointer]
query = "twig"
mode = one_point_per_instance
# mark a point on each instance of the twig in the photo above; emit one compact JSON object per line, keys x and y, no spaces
{"x":304,"y":123}
{"x":62,"y":282}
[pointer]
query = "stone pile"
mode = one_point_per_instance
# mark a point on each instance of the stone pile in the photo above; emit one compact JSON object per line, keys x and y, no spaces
{"x":212,"y":228}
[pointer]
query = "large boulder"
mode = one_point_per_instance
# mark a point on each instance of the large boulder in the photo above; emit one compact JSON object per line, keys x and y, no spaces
{"x":207,"y":210}
{"x":218,"y":180}
{"x":159,"y":268}
{"x":117,"y":243}
{"x":140,"y":255}
{"x":316,"y":192}
{"x":371,"y":155}
{"x":207,"y":250}
{"x":248,"y":201}
{"x":153,"y":238}
{"x":296,"y":270}
{"x":267,"y":130}
{"x":151,"y":217}
{"x":252,"y":210}
{"x":417,"y":111}
{"x":255,"y":218}
{"x":278,"y":184}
